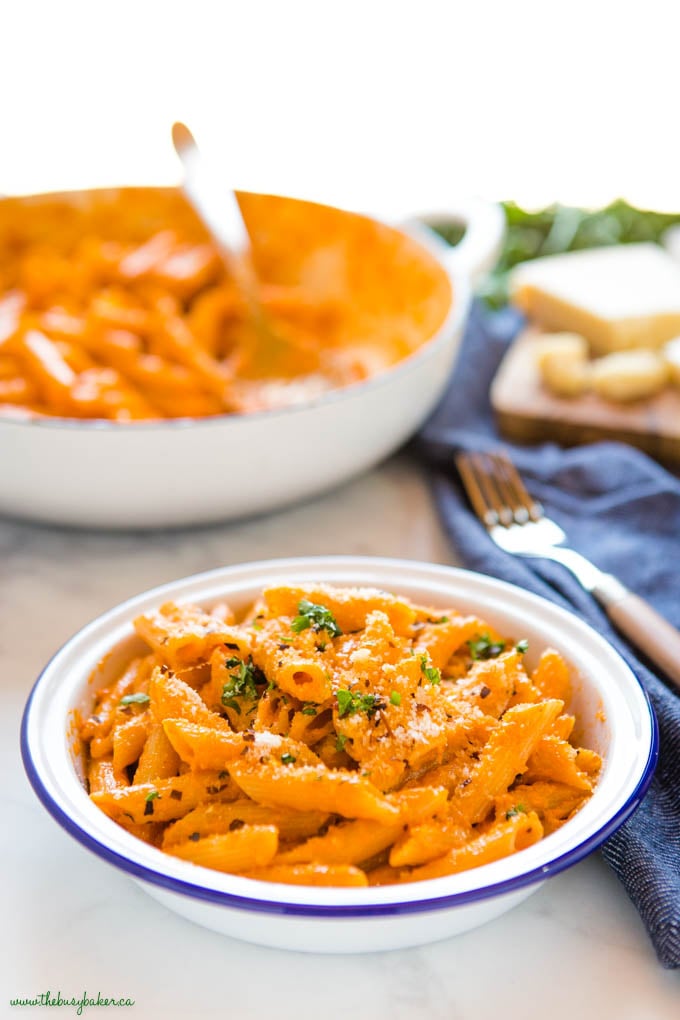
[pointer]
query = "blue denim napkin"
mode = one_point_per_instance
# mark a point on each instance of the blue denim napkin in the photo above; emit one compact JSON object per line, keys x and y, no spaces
{"x":622,"y":510}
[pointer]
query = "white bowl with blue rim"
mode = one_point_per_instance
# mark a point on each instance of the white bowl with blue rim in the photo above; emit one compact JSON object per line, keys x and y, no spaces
{"x":614,"y":718}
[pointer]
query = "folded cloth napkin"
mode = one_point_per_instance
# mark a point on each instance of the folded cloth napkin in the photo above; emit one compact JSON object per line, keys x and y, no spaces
{"x":622,"y":511}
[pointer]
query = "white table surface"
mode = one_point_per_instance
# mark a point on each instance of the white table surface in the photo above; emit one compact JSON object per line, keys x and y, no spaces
{"x":70,"y":922}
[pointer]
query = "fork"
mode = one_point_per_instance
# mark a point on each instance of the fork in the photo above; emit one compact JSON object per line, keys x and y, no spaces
{"x":518,"y":524}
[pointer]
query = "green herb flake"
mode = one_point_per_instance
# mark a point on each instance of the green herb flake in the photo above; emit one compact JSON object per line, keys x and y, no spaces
{"x":310,"y":614}
{"x":288,"y":759}
{"x":350,"y":702}
{"x":395,"y":698}
{"x":518,"y":809}
{"x":242,"y":684}
{"x":256,"y":626}
{"x":135,"y":699}
{"x":340,"y":742}
{"x":430,"y":673}
{"x":522,"y":646}
{"x":308,"y":709}
{"x":152,"y":796}
{"x":482,"y":648}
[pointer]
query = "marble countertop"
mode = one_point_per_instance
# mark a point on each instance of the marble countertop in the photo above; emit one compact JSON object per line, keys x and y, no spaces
{"x":72,"y":923}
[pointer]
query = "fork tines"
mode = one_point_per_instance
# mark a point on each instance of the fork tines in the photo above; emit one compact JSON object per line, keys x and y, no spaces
{"x":496,"y":490}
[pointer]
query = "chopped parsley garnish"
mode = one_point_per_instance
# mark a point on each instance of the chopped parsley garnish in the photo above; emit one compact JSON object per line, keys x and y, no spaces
{"x":308,"y":709}
{"x":442,"y":619}
{"x":430,"y":673}
{"x":350,"y":702}
{"x":321,"y":647}
{"x":242,"y":684}
{"x":484,"y":648}
{"x":522,"y":646}
{"x":395,"y":698}
{"x":135,"y":699}
{"x":288,"y":759}
{"x":314,"y":616}
{"x":149,"y":799}
{"x":340,"y":742}
{"x":516,"y":810}
{"x":256,"y":626}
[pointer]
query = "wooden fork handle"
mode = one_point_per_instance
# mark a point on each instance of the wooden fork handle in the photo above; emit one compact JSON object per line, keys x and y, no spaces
{"x":647,"y":629}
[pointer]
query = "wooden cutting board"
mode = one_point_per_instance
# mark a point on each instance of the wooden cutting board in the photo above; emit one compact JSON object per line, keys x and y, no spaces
{"x":527,"y":412}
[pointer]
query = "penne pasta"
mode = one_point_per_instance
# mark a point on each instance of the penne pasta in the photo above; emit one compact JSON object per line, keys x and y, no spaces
{"x":499,"y":841}
{"x":332,"y":736}
{"x":252,"y":846}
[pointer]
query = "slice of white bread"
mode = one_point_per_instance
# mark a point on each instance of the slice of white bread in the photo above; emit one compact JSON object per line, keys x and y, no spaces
{"x":618,"y":298}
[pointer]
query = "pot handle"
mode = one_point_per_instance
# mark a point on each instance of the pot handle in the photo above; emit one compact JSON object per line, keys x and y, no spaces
{"x":478,"y":250}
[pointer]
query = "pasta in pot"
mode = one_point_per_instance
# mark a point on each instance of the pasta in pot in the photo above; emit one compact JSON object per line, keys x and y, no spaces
{"x":335,"y":736}
{"x":115,"y":305}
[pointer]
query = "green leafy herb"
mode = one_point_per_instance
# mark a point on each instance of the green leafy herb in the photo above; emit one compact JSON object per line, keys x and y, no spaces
{"x":430,"y":673}
{"x":315,"y":616}
{"x":522,"y":646}
{"x":560,"y":228}
{"x":350,"y":702}
{"x":149,"y":799}
{"x":309,"y":708}
{"x":442,"y":619}
{"x":135,"y":699}
{"x":395,"y":698}
{"x":483,"y":647}
{"x":340,"y":742}
{"x":288,"y":759}
{"x":242,"y":684}
{"x":516,"y":810}
{"x":256,"y":626}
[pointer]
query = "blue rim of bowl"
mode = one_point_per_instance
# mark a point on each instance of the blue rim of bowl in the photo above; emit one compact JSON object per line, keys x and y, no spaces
{"x":263,"y":906}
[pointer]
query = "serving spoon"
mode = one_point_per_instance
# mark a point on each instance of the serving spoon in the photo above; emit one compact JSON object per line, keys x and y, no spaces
{"x":218,"y":209}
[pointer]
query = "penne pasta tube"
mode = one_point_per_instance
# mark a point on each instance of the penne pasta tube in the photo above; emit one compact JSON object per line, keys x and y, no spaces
{"x":314,"y":788}
{"x":252,"y":846}
{"x":500,"y":841}
{"x":310,"y":874}
{"x":218,"y":818}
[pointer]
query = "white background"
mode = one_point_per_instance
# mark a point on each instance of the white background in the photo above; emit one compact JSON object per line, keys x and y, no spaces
{"x":383,"y":106}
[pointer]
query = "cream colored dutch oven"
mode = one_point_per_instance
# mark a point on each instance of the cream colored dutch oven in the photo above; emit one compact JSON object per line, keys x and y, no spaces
{"x":192,"y":471}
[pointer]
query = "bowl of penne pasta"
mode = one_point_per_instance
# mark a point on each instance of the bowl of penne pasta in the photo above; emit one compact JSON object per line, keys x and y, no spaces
{"x":339,"y":754}
{"x":135,"y":390}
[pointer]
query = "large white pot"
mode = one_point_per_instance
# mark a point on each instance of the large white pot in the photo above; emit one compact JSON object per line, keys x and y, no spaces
{"x":182,"y":472}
